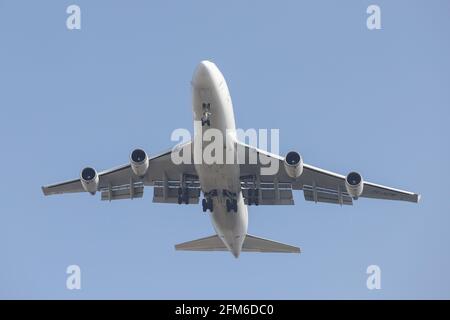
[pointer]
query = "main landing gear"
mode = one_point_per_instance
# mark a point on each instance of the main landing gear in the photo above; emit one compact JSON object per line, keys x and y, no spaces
{"x":231,"y":201}
{"x":231,"y":205}
{"x":253,"y":197}
{"x":183,"y":195}
{"x":207,"y":202}
{"x":206,"y":107}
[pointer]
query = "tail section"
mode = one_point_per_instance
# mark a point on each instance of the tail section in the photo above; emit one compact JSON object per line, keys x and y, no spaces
{"x":251,"y":244}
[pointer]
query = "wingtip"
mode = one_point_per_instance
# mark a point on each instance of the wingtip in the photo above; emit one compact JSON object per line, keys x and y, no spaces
{"x":419,"y":196}
{"x":44,"y":190}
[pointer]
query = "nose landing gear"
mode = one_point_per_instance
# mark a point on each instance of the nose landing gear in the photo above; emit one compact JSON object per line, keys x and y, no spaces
{"x":206,"y":114}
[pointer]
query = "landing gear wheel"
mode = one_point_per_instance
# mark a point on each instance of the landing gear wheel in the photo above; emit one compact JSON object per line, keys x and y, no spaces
{"x":210,"y":205}
{"x":183,"y":196}
{"x":204,"y":205}
{"x":206,"y":114}
{"x":207,"y":204}
{"x":231,"y":205}
{"x":206,"y":121}
{"x":250,"y":197}
{"x":228,"y":203}
{"x":253,"y":197}
{"x":256,"y":195}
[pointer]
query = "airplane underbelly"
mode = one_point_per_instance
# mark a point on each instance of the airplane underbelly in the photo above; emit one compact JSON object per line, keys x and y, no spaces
{"x":220,"y":182}
{"x":218,"y":177}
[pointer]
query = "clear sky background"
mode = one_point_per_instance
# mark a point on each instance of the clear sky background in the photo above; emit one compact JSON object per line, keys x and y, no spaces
{"x":345,"y":97}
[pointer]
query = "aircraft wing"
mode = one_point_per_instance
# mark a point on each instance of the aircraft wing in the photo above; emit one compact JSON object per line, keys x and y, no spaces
{"x":122,"y":183}
{"x":318,"y":185}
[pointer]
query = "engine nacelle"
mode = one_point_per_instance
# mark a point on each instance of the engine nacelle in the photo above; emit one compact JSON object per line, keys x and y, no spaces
{"x":89,"y":180}
{"x":354,"y":184}
{"x":139,"y":162}
{"x":293,"y":164}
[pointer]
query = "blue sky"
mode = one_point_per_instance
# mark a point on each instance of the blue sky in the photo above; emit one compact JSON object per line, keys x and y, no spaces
{"x":345,"y":97}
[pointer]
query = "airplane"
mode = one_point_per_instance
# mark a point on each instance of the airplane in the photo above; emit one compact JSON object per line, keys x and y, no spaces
{"x":228,"y":189}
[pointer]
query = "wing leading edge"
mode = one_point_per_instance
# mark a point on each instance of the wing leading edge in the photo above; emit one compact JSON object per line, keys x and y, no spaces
{"x":318,"y":185}
{"x":114,"y":181}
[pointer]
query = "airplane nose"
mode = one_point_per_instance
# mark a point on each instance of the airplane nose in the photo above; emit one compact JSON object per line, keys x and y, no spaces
{"x":202,"y":74}
{"x":204,"y":64}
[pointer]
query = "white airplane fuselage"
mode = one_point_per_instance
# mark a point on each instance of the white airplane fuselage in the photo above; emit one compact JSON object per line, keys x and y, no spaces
{"x":210,"y":89}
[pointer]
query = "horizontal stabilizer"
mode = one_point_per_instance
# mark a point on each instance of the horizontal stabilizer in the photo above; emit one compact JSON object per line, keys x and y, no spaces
{"x":255,"y":244}
{"x":212,"y":243}
{"x":251,"y":244}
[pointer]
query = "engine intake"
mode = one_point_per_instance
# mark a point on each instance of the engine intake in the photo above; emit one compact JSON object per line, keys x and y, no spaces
{"x":89,"y":180}
{"x":293,"y":164}
{"x":354,"y":184}
{"x":139,"y":162}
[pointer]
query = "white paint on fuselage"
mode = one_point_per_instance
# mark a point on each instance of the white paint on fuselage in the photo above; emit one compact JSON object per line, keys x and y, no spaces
{"x":209,"y":86}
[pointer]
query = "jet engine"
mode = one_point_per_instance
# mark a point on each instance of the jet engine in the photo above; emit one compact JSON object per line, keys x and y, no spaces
{"x":89,"y":180}
{"x":139,"y":162}
{"x":293,"y":164}
{"x":354,"y":184}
